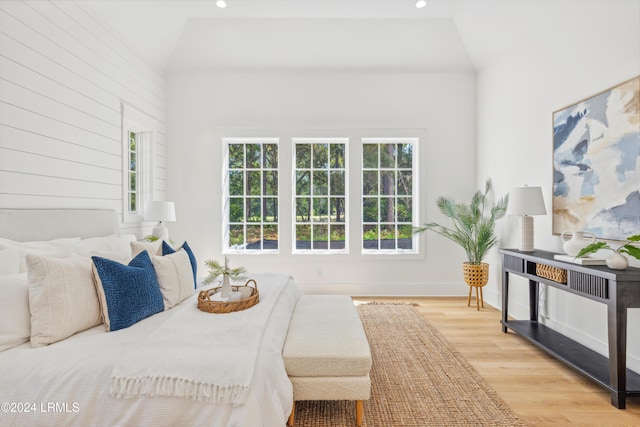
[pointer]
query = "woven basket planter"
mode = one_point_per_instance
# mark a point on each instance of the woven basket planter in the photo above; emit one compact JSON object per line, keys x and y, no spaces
{"x":476,"y":274}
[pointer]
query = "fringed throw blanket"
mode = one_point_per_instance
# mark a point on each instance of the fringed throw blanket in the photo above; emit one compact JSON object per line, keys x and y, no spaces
{"x":197,"y":355}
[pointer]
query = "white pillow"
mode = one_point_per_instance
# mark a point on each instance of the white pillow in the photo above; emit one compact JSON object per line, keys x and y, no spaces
{"x":56,"y":247}
{"x":10,"y":261}
{"x":62,"y":298}
{"x":64,"y":243}
{"x":118,"y":246}
{"x":154,"y":248}
{"x":175,"y":277}
{"x":15,"y":321}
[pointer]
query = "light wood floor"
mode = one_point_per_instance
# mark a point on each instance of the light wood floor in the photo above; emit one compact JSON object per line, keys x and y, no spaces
{"x":538,"y":388}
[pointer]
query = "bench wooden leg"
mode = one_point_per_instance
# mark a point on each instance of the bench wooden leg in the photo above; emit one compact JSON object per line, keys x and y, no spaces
{"x":293,"y":414}
{"x":359,"y":412}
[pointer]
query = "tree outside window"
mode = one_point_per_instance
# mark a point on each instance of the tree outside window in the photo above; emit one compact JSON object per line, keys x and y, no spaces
{"x":132,"y":156}
{"x":388,"y":194}
{"x":252,"y":195}
{"x":320,"y":194}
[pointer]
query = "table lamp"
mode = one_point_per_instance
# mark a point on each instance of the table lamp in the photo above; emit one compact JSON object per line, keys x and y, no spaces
{"x":160,"y":211}
{"x":526,"y":201}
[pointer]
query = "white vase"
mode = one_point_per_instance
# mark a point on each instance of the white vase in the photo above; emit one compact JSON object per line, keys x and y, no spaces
{"x":226,"y":286}
{"x":578,"y":241}
{"x":617,"y":261}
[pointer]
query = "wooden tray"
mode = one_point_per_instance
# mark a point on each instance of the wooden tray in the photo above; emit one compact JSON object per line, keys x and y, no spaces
{"x":205,"y":303}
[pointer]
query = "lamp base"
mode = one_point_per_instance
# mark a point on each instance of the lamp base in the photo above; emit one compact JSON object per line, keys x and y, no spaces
{"x":161,"y":231}
{"x":526,"y":233}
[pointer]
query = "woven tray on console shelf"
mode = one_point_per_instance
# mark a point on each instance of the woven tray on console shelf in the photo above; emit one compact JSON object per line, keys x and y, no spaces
{"x":552,"y":273}
{"x":205,"y":303}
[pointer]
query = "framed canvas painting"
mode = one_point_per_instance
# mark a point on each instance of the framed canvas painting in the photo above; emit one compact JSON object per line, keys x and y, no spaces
{"x":596,"y":164}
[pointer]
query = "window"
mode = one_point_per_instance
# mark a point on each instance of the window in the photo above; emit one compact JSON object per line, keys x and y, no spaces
{"x":251,"y":194}
{"x":318,"y":193}
{"x":320,"y":202}
{"x":138,"y":134}
{"x":388,"y":185}
{"x":132,"y":179}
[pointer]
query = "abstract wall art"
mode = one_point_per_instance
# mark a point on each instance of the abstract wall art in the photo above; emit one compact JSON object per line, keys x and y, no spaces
{"x":596,"y":163}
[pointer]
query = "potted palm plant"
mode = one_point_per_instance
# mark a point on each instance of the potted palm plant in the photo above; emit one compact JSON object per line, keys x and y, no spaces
{"x":473,"y":228}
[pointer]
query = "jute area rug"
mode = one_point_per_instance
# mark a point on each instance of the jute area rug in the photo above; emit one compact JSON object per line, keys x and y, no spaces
{"x":418,"y":379}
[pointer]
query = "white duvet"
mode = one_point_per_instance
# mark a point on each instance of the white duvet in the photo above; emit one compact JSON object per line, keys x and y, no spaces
{"x":68,"y":383}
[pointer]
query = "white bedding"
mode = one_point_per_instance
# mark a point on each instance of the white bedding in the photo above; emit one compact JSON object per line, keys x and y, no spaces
{"x":68,"y":382}
{"x":179,"y":373}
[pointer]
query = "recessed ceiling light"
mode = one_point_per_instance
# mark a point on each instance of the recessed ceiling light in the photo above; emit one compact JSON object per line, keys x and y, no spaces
{"x":421,"y":3}
{"x":221,"y":4}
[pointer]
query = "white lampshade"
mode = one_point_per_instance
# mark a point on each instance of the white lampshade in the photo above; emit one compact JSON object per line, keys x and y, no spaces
{"x":160,"y":211}
{"x":526,"y":201}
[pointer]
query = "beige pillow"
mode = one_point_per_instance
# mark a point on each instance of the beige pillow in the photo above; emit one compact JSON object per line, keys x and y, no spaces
{"x":62,"y":298}
{"x":175,"y":277}
{"x":154,"y":248}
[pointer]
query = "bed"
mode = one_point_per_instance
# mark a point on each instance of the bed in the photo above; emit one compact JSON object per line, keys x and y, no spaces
{"x":99,"y":378}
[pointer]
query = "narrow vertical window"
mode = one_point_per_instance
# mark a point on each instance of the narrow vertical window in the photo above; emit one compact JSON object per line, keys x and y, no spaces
{"x":320,"y":202}
{"x":251,"y":199}
{"x":132,"y":182}
{"x":388,"y":178}
{"x":138,"y":140}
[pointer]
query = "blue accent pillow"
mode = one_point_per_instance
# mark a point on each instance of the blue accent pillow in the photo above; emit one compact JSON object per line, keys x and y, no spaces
{"x":131,"y":292}
{"x":167,"y":250}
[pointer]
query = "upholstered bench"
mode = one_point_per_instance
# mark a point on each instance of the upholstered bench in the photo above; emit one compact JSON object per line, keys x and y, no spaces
{"x":326,"y":352}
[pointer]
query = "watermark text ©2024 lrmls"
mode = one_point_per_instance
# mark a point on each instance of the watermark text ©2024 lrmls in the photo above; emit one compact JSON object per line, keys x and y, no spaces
{"x":39,"y":407}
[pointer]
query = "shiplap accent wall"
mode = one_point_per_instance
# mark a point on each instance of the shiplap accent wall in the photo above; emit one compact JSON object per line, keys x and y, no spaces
{"x":63,"y":78}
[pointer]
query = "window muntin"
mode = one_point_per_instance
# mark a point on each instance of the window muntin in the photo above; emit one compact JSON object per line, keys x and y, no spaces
{"x":320,"y":202}
{"x":388,"y":193}
{"x":251,"y":194}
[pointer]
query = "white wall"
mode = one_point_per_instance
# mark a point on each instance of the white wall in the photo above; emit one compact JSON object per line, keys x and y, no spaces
{"x":440,"y":107}
{"x":63,"y":76}
{"x":590,"y":49}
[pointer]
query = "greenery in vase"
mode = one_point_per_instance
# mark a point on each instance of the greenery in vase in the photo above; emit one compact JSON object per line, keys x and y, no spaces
{"x":216,"y":269}
{"x":151,"y":238}
{"x":628,"y":247}
{"x":473,"y":224}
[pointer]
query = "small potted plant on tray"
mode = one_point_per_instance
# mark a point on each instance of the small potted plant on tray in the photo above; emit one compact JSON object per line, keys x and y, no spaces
{"x":228,"y":274}
{"x":616,"y":260}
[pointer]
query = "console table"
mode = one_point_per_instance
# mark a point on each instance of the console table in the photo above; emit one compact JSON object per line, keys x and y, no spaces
{"x":618,"y":289}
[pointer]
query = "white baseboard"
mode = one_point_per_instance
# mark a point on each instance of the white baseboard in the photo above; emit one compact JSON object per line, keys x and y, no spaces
{"x":517,"y":310}
{"x":388,"y":290}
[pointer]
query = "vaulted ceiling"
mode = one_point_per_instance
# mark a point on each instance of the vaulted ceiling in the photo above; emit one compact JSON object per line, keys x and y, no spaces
{"x":446,"y":35}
